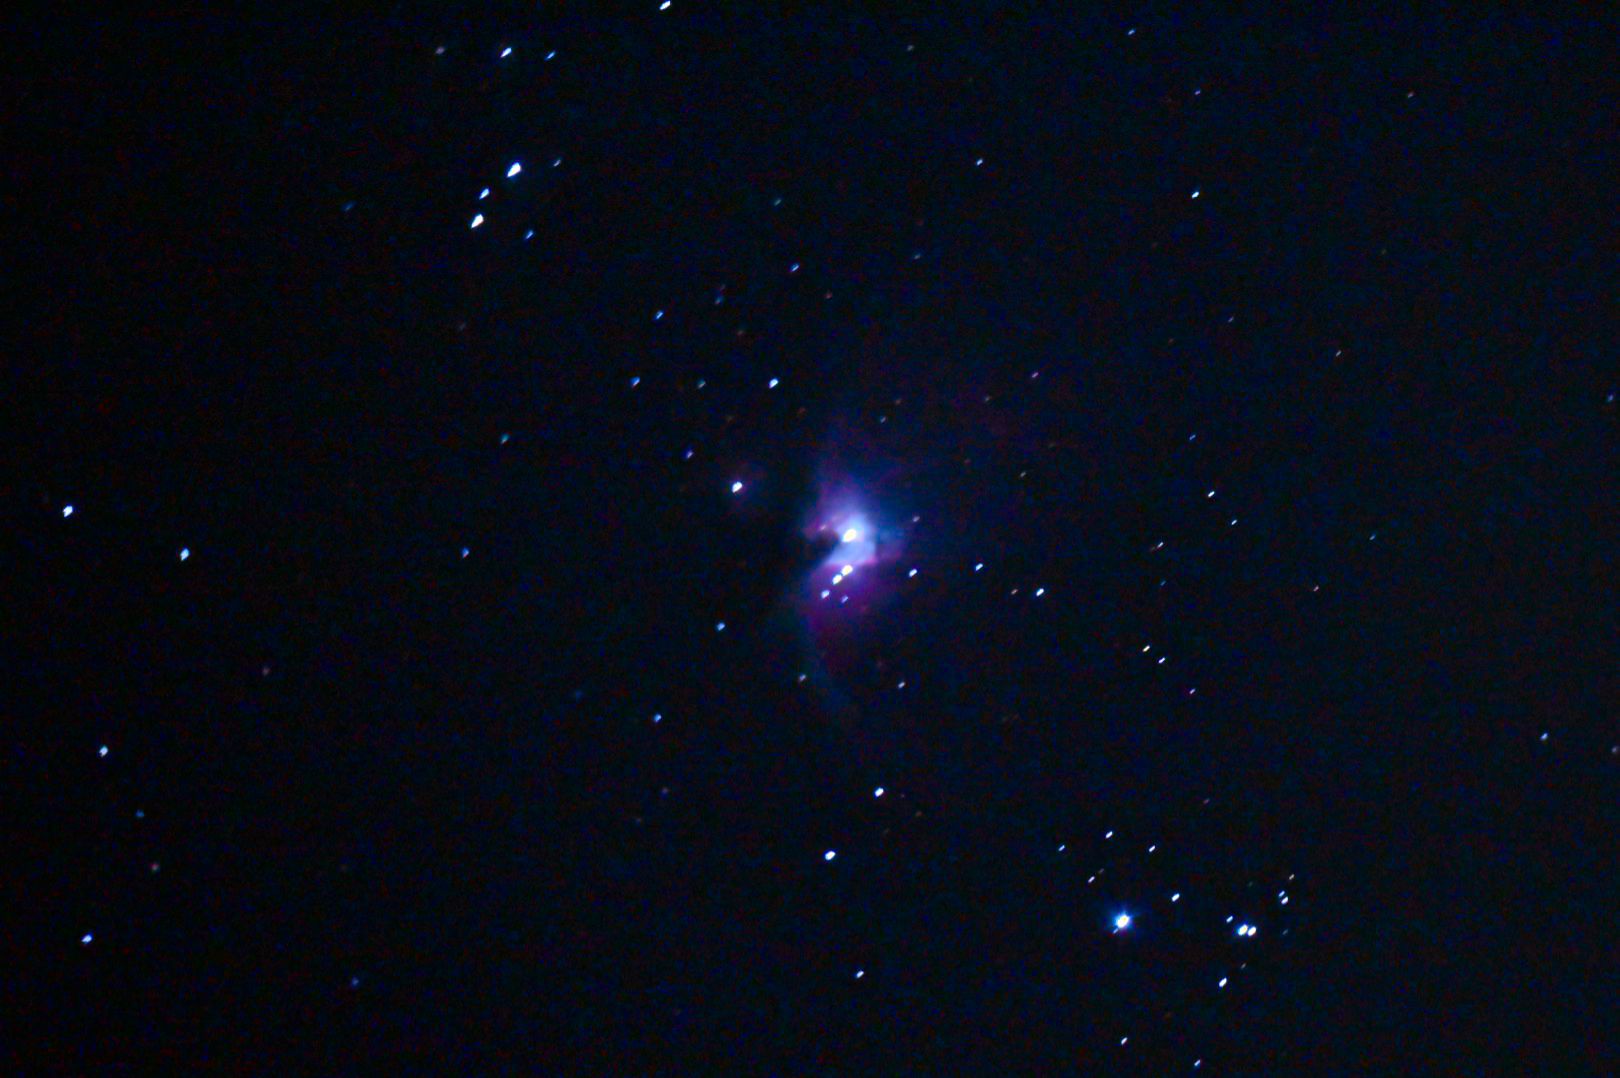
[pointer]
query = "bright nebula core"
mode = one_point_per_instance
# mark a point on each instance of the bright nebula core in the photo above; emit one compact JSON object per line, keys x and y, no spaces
{"x":857,"y":546}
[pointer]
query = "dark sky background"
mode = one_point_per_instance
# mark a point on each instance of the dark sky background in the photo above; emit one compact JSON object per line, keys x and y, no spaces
{"x":1225,"y":680}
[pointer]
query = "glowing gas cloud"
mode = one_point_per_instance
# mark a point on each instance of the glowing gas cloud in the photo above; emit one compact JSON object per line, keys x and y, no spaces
{"x":861,"y":542}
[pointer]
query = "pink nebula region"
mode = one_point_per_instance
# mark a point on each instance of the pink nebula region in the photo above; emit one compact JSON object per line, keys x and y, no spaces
{"x":862,"y":548}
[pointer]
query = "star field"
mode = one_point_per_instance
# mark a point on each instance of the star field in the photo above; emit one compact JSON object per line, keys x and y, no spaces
{"x":688,"y":540}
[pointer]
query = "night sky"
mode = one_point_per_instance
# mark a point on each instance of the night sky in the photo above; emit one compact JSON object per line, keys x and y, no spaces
{"x":691,"y":539}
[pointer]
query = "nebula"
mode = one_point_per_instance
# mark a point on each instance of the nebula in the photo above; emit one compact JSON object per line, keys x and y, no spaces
{"x":859,"y":536}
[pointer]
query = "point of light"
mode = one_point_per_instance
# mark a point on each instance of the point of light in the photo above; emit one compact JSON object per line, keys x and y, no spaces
{"x":86,"y":938}
{"x":878,"y":792}
{"x":514,"y":170}
{"x":1122,"y":922}
{"x":736,"y":488}
{"x":67,"y":510}
{"x":847,"y":570}
{"x":506,"y":52}
{"x":185,"y":552}
{"x":829,"y":855}
{"x":102,"y":751}
{"x":477,"y":220}
{"x":851,"y":534}
{"x":483,"y":194}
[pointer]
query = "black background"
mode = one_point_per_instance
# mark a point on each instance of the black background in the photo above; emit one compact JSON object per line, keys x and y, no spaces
{"x":409,"y":809}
